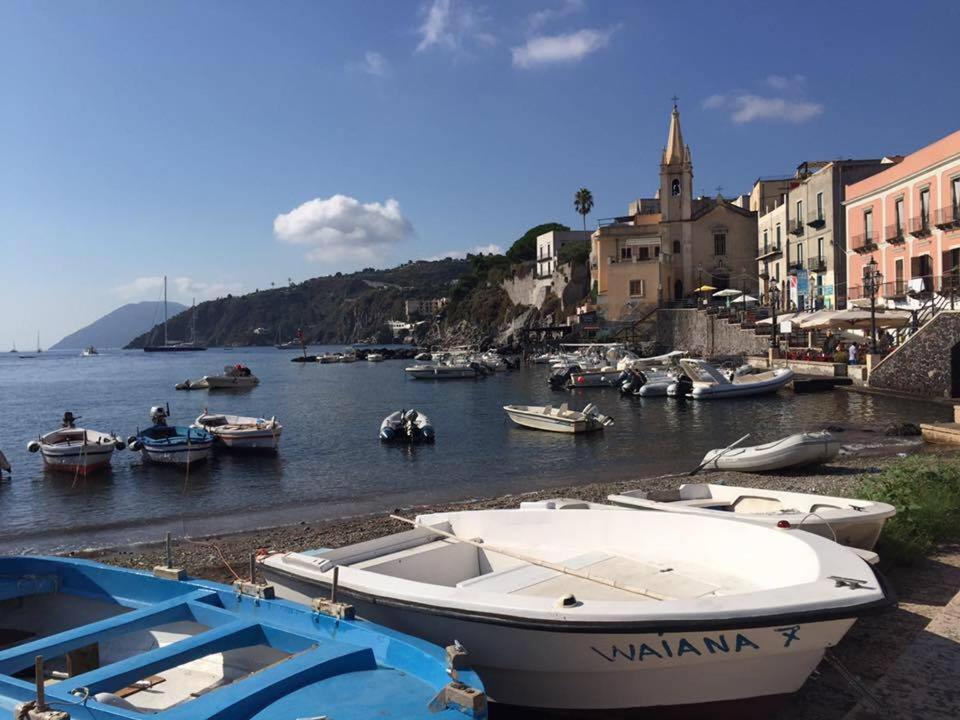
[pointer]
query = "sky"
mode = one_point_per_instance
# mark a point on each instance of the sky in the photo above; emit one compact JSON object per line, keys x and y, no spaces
{"x":232,"y":145}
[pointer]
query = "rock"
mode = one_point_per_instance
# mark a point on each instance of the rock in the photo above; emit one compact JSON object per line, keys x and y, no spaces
{"x":902,"y":430}
{"x":834,"y":428}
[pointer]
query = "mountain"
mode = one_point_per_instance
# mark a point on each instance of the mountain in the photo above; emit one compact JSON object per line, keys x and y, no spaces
{"x":116,"y":328}
{"x":341,"y":308}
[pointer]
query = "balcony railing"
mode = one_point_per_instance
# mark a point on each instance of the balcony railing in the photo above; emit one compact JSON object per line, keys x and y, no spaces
{"x":796,"y":227}
{"x":817,"y":264}
{"x":948,"y":217}
{"x":920,"y":288}
{"x":864,"y":242}
{"x":920,"y":226}
{"x":769,"y":250}
{"x":793,"y":266}
{"x":893,"y":234}
{"x":817,"y":221}
{"x":614,"y":260}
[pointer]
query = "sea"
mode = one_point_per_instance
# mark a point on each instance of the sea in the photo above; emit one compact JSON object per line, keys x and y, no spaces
{"x":331,"y":463}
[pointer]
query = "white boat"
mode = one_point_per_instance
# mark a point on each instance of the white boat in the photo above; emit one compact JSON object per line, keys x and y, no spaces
{"x":605,"y":610}
{"x":639,"y":363}
{"x":703,"y":381}
{"x":792,"y":451}
{"x":348,"y":358}
{"x":165,"y":444}
{"x":374,"y":357}
{"x":76,"y":450}
{"x":88,"y":351}
{"x":561,"y":419}
{"x":607,"y":376}
{"x":423,"y":357}
{"x":234,"y":377}
{"x":328,"y":358}
{"x":241,"y":433}
{"x":409,"y":426}
{"x":444,"y":371}
{"x":848,"y":521}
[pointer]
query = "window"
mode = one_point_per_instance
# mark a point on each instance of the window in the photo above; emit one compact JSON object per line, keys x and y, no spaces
{"x":638,"y":288}
{"x":643,"y":253}
{"x":656,"y":252}
{"x":720,"y":243}
{"x":925,"y":208}
{"x":898,"y":215}
{"x":800,"y":253}
{"x":799,"y":212}
{"x":868,"y":225}
{"x":778,"y":234}
{"x":898,"y":275}
{"x":820,"y":255}
{"x":766,"y":242}
{"x":955,"y":184}
{"x":819,"y":206}
{"x":676,"y":247}
{"x":675,"y":188}
{"x":626,"y":252}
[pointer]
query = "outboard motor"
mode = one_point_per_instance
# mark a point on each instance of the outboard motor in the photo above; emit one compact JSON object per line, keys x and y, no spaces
{"x":158,"y":415}
{"x":68,"y":420}
{"x":684,"y":385}
{"x":632,"y":381}
{"x":559,"y":379}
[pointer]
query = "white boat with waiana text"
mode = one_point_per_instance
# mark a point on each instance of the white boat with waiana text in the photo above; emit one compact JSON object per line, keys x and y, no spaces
{"x":605,"y":610}
{"x":238,"y":432}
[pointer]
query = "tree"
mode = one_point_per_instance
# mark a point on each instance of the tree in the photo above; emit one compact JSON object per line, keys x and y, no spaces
{"x":525,"y":248}
{"x":574,"y":252}
{"x":583,"y":202}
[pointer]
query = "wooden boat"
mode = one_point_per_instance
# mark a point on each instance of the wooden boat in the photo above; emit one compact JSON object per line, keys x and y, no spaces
{"x":241,"y":433}
{"x":703,"y":381}
{"x":171,"y":444}
{"x":76,"y":450}
{"x":606,"y":610}
{"x":119,"y":644}
{"x":409,"y":426}
{"x":856,"y":523}
{"x":793,"y":451}
{"x":561,"y":419}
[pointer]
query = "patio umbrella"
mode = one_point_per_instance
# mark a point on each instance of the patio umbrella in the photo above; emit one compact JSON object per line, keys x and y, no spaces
{"x":705,"y":289}
{"x":860,"y":319}
{"x":729,"y":292}
{"x":745,"y":299}
{"x":781,"y":317}
{"x":815,"y":320}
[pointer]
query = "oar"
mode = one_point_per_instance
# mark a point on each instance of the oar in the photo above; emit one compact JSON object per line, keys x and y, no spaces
{"x":540,"y":563}
{"x":727,"y":449}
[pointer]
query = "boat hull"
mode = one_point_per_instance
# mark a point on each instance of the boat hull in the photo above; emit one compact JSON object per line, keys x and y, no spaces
{"x":441,"y":373}
{"x":265,"y":440}
{"x":217,"y":382}
{"x":565,"y":669}
{"x":179,"y":455}
{"x":595,"y":379}
{"x":550,"y":424}
{"x":790,"y":452}
{"x":82,"y":460}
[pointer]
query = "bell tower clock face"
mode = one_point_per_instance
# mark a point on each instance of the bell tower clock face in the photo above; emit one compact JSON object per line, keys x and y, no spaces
{"x":675,"y":188}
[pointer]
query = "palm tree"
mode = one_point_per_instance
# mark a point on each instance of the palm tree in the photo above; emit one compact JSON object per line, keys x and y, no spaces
{"x":583,"y":202}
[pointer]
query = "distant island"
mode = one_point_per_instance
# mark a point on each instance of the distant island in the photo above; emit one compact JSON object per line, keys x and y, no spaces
{"x":115,"y":329}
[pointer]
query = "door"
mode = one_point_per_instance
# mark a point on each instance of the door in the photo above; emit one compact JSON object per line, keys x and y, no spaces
{"x":955,"y":371}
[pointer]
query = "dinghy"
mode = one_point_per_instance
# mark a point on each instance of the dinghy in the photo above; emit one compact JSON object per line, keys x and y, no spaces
{"x":407,"y":426}
{"x":241,"y":433}
{"x":606,"y":376}
{"x":792,"y":451}
{"x":171,"y":444}
{"x":94,"y":642}
{"x":76,"y":450}
{"x":856,"y":523}
{"x":605,"y":610}
{"x":561,"y":419}
{"x":703,"y":381}
{"x":646,"y":383}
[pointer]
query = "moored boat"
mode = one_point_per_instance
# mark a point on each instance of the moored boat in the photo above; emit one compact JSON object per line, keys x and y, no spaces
{"x":703,"y":381}
{"x":560,"y":419}
{"x":857,"y":523}
{"x":109,"y":643}
{"x":408,"y":426}
{"x":792,"y":451}
{"x":241,"y":433}
{"x":88,"y":351}
{"x":76,"y":450}
{"x":171,"y":444}
{"x":445,"y":371}
{"x":567,"y":610}
{"x":374,"y":357}
{"x":4,"y":463}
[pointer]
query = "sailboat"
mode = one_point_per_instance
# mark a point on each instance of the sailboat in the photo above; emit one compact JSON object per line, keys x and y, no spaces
{"x":38,"y":342}
{"x":14,"y":348}
{"x":175,"y":345}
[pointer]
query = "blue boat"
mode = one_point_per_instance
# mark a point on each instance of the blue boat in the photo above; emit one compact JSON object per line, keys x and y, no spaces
{"x":171,"y":444}
{"x":110,"y":643}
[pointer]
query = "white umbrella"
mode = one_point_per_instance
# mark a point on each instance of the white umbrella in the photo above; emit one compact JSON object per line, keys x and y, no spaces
{"x":815,"y":320}
{"x":745,"y":299}
{"x":781,"y":317}
{"x":729,"y":292}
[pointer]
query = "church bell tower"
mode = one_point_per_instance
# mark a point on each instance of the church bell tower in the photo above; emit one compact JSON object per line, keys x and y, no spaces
{"x":676,"y":174}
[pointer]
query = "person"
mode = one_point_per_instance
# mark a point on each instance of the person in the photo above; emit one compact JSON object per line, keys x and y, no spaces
{"x":886,"y":342}
{"x":853,"y":353}
{"x":840,"y":354}
{"x":830,"y":344}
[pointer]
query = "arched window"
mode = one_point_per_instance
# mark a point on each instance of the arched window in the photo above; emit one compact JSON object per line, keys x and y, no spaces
{"x":675,"y":187}
{"x":676,"y":247}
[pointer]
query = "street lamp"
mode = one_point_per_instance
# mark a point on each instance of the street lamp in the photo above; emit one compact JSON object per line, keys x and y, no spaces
{"x":699,"y":281}
{"x":775,"y":302}
{"x":872,"y":279}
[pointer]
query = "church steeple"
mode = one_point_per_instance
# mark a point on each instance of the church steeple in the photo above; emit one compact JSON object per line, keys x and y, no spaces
{"x":676,"y":174}
{"x":676,"y":152}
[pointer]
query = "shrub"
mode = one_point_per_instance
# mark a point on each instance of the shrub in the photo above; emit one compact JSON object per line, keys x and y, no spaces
{"x":926,"y":493}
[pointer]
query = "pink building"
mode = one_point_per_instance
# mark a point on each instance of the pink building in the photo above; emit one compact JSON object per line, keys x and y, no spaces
{"x":908,"y":219}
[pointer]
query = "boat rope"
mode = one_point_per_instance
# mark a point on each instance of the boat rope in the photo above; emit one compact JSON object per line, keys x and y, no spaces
{"x":854,"y":682}
{"x":219,"y":552}
{"x":823,"y":520}
{"x":83,"y":457}
{"x":645,"y":592}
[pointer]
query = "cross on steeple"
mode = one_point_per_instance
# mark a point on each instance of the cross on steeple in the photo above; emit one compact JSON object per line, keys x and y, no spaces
{"x":719,"y":189}
{"x":674,"y":98}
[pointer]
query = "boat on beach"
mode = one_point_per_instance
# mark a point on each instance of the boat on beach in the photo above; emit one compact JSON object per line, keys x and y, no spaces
{"x":561,"y":419}
{"x":856,"y":523}
{"x":85,"y":640}
{"x":703,"y":381}
{"x":238,"y":432}
{"x":76,"y":450}
{"x":606,"y":610}
{"x":408,"y":426}
{"x":797,"y":450}
{"x":178,"y":445}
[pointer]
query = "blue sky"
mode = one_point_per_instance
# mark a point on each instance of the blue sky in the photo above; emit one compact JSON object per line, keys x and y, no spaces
{"x":234,"y":144}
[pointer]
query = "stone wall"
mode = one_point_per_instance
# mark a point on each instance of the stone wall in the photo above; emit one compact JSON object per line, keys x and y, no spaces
{"x":568,"y":283}
{"x":921,"y":365}
{"x":702,"y":334}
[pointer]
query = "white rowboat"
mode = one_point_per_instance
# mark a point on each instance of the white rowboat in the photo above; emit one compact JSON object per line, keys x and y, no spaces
{"x":561,"y":419}
{"x":76,"y":450}
{"x":242,"y":433}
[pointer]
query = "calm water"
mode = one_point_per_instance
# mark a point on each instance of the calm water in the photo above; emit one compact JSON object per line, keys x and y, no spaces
{"x":331,"y":462}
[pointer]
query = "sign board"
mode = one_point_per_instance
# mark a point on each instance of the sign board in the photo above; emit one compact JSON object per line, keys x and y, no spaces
{"x":786,"y":327}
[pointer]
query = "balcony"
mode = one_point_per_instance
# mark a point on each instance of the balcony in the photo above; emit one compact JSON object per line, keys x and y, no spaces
{"x":896,"y":290}
{"x":793,"y":266}
{"x":796,"y":227}
{"x":920,"y":226}
{"x":864,"y":242}
{"x":894,"y":234}
{"x":948,"y":217}
{"x":769,"y":251}
{"x":763,"y":275}
{"x":614,"y":260}
{"x":817,"y":264}
{"x":817,"y":221}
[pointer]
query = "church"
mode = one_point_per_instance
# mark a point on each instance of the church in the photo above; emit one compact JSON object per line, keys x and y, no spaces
{"x":669,"y":245}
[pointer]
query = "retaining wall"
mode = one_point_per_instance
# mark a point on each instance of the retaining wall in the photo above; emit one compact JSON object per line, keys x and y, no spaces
{"x":921,"y":365}
{"x":702,"y":334}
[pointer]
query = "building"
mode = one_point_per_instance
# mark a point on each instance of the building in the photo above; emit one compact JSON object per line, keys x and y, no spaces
{"x":548,"y":248}
{"x":425,"y":308}
{"x":667,"y":246}
{"x":801,"y":234}
{"x":907,"y":218}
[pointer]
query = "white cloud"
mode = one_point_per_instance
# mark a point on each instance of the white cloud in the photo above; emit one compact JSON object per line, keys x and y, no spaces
{"x":373,"y":64}
{"x":788,"y":105}
{"x":342,"y":226}
{"x":551,"y":49}
{"x":179,"y":288}
{"x":782,"y":82}
{"x":567,"y":7}
{"x":450,"y":24}
{"x":491,"y":249}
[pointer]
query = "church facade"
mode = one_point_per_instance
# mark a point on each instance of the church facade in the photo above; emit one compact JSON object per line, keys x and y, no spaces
{"x":669,"y":245}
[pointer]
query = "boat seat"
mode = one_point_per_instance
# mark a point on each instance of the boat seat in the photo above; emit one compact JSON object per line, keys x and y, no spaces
{"x":522,"y":576}
{"x":704,"y":503}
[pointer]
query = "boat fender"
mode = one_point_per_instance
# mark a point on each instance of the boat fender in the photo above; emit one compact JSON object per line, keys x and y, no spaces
{"x":135,"y":445}
{"x":33,"y":446}
{"x":118,"y":444}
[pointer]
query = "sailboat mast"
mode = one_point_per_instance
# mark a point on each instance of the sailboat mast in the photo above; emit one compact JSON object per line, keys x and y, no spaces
{"x":165,"y":310}
{"x":193,"y":323}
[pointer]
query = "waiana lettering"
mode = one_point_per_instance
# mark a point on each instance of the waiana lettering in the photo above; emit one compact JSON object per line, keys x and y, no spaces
{"x":684,"y":646}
